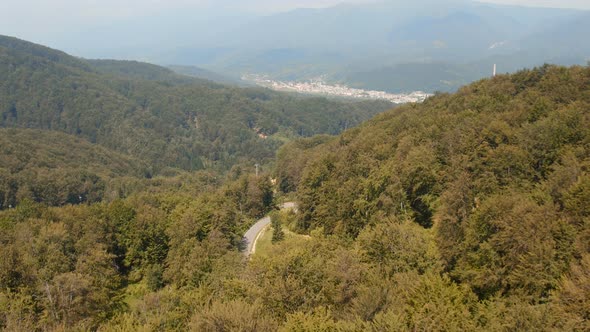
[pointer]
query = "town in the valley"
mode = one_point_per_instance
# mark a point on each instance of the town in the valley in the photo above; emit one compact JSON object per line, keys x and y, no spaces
{"x":319,"y":87}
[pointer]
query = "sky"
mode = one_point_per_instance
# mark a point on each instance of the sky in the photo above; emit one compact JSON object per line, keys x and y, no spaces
{"x":44,"y":21}
{"x":85,"y":10}
{"x":579,"y":4}
{"x":38,"y":20}
{"x":51,"y":13}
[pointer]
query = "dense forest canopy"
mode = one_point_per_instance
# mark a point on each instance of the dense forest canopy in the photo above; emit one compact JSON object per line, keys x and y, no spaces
{"x":510,"y":134}
{"x":124,"y":199}
{"x":56,"y":168}
{"x":497,"y":173}
{"x":151,"y":113}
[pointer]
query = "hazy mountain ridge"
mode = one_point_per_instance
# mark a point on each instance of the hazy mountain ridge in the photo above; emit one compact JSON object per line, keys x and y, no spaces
{"x":353,"y":40}
{"x":40,"y":51}
{"x":201,"y":73}
{"x":563,"y":38}
{"x":137,"y":70}
{"x":346,"y":40}
{"x":438,"y":76}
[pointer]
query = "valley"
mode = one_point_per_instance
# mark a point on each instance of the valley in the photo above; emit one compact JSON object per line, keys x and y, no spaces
{"x":368,"y":173}
{"x":319,"y":87}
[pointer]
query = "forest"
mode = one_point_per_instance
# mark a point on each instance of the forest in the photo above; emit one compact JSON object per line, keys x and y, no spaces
{"x":468,"y":212}
{"x":59,"y":169}
{"x":151,"y":113}
{"x":91,"y":123}
{"x":487,"y":191}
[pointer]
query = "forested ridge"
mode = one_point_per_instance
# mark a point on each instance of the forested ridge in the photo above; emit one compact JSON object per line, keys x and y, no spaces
{"x":493,"y":181}
{"x":468,"y":212}
{"x":151,"y":113}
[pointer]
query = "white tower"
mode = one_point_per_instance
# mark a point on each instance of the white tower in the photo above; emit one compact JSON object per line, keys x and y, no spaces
{"x":494,"y":73}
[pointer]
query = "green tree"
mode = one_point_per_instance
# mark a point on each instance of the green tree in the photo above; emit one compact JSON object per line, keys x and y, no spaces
{"x":235,"y":315}
{"x":572,"y":298}
{"x":277,"y":230}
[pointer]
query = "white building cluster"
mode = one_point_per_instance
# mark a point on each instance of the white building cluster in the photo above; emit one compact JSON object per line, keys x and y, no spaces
{"x":318,"y":87}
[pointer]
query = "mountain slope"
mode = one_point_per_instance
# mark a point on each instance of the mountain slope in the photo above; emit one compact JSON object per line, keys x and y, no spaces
{"x":155,"y":115}
{"x":137,"y":70}
{"x":40,"y":51}
{"x":55,"y":168}
{"x":562,"y":38}
{"x":438,"y":76}
{"x":500,"y":169}
{"x":366,"y":45}
{"x":509,"y":112}
{"x":205,"y":75}
{"x":498,"y":173}
{"x":348,"y":38}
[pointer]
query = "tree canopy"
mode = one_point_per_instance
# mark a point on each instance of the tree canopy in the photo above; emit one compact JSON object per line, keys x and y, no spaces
{"x":467,"y":212}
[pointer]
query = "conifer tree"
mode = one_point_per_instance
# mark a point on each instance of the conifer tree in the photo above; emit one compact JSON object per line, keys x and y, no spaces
{"x":277,"y":231}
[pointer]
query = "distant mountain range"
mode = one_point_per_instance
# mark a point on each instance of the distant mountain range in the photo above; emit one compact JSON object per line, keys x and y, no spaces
{"x":396,"y":46}
{"x":425,"y":45}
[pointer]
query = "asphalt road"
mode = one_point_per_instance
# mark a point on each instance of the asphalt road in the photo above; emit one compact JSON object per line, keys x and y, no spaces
{"x":250,"y":236}
{"x":249,"y":239}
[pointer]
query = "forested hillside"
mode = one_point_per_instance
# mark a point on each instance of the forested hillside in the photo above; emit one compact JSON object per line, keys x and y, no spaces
{"x":55,"y":168}
{"x":138,"y":71}
{"x":207,"y":75}
{"x":153,"y":114}
{"x":469,"y":212}
{"x":77,"y":267}
{"x":497,"y":174}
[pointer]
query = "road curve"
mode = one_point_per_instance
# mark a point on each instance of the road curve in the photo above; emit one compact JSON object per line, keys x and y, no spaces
{"x":249,"y":239}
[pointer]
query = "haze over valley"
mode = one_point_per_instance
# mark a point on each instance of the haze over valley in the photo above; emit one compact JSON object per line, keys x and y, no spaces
{"x":390,"y":46}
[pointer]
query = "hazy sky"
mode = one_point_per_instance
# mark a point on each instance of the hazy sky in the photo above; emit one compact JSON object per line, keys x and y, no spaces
{"x":581,"y":4}
{"x":16,"y":10}
{"x":32,"y":19}
{"x":44,"y":20}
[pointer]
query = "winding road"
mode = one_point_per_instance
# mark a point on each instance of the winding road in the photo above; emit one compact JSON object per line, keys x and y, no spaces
{"x":251,"y":235}
{"x":249,"y":239}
